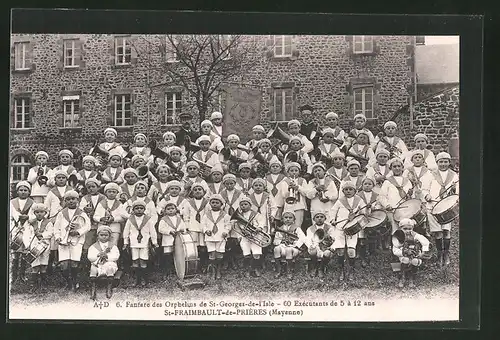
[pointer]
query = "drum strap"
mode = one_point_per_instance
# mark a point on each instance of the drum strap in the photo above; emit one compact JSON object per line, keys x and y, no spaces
{"x":215,"y":229}
{"x":274,"y":190}
{"x":134,"y":222}
{"x":401,"y":191}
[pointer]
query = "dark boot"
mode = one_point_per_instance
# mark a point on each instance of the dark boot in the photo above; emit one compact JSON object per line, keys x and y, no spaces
{"x":74,"y":279}
{"x":138,"y":276}
{"x":290,"y":269}
{"x":67,"y":278}
{"x":246,"y":264}
{"x":313,"y":270}
{"x":34,"y":282}
{"x":350,"y":273}
{"x":218,"y":269}
{"x":15,"y":269}
{"x":277,"y":268}
{"x":439,"y":248}
{"x":22,"y":270}
{"x":211,"y":269}
{"x":257,"y":265}
{"x":341,"y":263}
{"x":402,"y":276}
{"x":39,"y":282}
{"x":109,"y":287}
{"x":446,"y":251}
{"x":167,"y":261}
{"x":362,"y":255}
{"x":93,"y":293}
{"x":412,"y":273}
{"x":321,"y":270}
{"x":203,"y":259}
{"x":145,"y":277}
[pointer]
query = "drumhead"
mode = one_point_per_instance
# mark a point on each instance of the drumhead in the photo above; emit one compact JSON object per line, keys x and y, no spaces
{"x":445,"y":204}
{"x":407,"y":209}
{"x":180,"y":254}
{"x":376,"y":217}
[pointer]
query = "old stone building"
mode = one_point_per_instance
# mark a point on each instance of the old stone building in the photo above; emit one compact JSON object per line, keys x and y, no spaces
{"x":66,"y":89}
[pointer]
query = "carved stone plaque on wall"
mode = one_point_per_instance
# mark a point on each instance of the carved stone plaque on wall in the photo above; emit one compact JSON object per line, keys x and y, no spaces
{"x":242,"y":112}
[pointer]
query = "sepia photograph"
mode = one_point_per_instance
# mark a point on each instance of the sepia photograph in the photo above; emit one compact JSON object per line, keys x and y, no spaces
{"x":197,"y":177}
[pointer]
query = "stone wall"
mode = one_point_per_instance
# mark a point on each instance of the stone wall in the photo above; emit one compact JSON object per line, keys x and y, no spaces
{"x":438,"y":117}
{"x":322,"y":70}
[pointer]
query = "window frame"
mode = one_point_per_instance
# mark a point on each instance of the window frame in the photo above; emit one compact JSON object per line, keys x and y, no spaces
{"x":73,"y":55}
{"x":364,"y":101}
{"x":72,"y":99}
{"x":282,"y":46}
{"x":26,"y":165}
{"x":123,"y":111}
{"x":125,"y":40}
{"x":174,"y":111}
{"x":25,"y":45}
{"x":365,"y":39}
{"x":171,"y":56}
{"x":26,"y":123}
{"x":225,"y":39}
{"x":283,"y":117}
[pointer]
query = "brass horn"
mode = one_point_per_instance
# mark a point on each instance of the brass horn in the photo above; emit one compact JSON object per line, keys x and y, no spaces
{"x":142,"y":171}
{"x":248,"y":229}
{"x":278,"y":133}
{"x":322,"y":239}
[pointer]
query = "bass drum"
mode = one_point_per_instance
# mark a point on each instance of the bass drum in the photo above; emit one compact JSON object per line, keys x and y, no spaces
{"x":185,"y":256}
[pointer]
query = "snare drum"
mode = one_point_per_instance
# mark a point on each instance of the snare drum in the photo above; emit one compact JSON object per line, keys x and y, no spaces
{"x":185,"y":256}
{"x":37,"y":249}
{"x":410,"y":209}
{"x":377,"y":221}
{"x":446,"y":210}
{"x":356,"y":225}
{"x":16,"y":242}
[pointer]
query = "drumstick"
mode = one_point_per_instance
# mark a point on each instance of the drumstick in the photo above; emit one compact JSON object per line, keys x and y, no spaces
{"x":448,"y":188}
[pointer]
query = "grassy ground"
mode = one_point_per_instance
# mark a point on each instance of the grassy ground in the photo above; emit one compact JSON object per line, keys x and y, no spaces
{"x":376,"y":281}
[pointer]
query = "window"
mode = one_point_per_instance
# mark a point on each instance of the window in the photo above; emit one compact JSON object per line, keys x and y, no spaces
{"x":225,"y":41}
{"x":20,"y":55}
{"x":170,"y":50}
{"x":123,"y":51}
{"x":123,"y":111}
{"x":283,"y":104}
{"x":420,"y":40}
{"x":20,"y":167}
{"x":173,"y":101}
{"x":283,"y":46}
{"x":22,"y":116}
{"x":363,"y":101}
{"x":70,"y":53}
{"x":363,"y":44}
{"x":71,"y":111}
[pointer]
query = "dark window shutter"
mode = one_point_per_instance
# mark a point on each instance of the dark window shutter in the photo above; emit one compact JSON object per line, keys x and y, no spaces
{"x":376,"y":45}
{"x":111,"y":114}
{"x":13,"y":57}
{"x":111,"y":50}
{"x":295,"y":50}
{"x":29,"y":56}
{"x":60,"y":117}
{"x":81,"y":119}
{"x":270,"y":46}
{"x":133,"y":50}
{"x":79,"y":53}
{"x":12,"y":113}
{"x":60,"y":54}
{"x":133,"y":112}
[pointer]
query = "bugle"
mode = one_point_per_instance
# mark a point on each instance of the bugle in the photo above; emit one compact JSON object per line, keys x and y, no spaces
{"x":293,"y":194}
{"x":75,"y":224}
{"x":41,"y":176}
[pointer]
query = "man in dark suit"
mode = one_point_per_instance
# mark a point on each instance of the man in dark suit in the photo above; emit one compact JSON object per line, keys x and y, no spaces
{"x":185,"y":130}
{"x":307,"y":125}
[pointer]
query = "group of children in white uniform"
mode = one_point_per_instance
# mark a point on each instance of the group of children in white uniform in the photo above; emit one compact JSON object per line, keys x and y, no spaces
{"x":125,"y":211}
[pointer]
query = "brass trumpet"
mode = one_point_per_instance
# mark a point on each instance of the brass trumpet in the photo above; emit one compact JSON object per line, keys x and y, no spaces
{"x":41,"y":177}
{"x":75,"y":224}
{"x":293,"y":194}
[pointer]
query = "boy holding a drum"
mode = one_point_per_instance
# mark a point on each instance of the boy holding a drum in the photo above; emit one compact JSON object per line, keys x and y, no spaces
{"x":443,"y":184}
{"x":41,"y":229}
{"x":344,"y":211}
